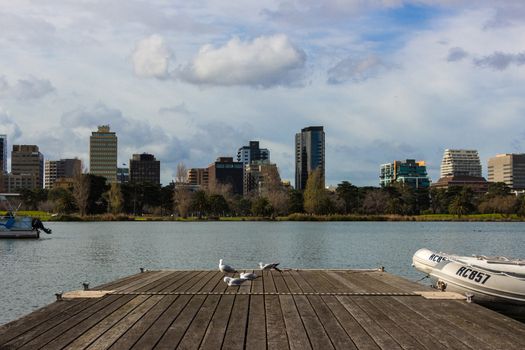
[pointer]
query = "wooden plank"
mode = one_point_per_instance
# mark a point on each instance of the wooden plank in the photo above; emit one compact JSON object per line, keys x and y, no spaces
{"x":196,"y":276}
{"x":256,"y":334}
{"x":345,"y":278}
{"x":275,"y":327}
{"x":297,"y":336}
{"x":138,"y":329}
{"x":204,"y":279}
{"x":268,"y":284}
{"x":404,"y":339}
{"x":157,"y":330}
{"x":195,"y":333}
{"x":236,"y":331}
{"x":86,"y":338}
{"x":301,"y":282}
{"x":216,"y":330}
{"x":381,"y":338}
{"x":50,"y":323}
{"x":336,"y":333}
{"x":257,"y":284}
{"x":313,"y":279}
{"x":318,"y":337}
{"x":246,"y":287}
{"x":15,"y":328}
{"x":433,"y":310}
{"x":122,"y":281}
{"x":175,"y":332}
{"x":290,"y":282}
{"x":355,"y":331}
{"x":166,"y":280}
{"x":118,"y":329}
{"x":213,"y":282}
{"x":280,"y":284}
{"x":398,"y":282}
{"x":174,"y":283}
{"x":67,"y":331}
{"x":136,"y":284}
{"x":431,"y":334}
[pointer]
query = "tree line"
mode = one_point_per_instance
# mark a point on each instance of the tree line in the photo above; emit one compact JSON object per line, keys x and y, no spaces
{"x":90,"y":195}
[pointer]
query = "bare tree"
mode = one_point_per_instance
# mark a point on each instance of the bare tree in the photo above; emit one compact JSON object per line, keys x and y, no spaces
{"x":81,"y":191}
{"x":182,"y":199}
{"x":182,"y":173}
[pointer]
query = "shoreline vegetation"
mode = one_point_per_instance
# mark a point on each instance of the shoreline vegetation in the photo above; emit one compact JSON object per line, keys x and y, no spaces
{"x":45,"y":216}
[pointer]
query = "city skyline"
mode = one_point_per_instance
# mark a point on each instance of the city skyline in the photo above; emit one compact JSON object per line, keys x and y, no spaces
{"x":434,"y":75}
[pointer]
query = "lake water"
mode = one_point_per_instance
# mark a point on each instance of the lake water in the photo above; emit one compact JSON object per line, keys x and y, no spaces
{"x":31,"y":271}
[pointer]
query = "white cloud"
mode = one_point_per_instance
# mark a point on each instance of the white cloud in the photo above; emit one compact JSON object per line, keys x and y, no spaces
{"x":264,"y":62}
{"x":151,"y":57}
{"x":8,"y":126}
{"x":355,"y":69}
{"x":30,"y":88}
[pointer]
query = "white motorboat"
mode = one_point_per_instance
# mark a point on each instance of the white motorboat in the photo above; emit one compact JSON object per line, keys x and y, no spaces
{"x":501,"y":282}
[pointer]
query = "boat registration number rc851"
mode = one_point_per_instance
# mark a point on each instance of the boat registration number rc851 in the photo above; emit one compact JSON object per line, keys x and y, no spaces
{"x":473,"y":275}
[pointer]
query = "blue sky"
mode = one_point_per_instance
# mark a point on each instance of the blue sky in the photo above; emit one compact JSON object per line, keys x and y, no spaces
{"x":190,"y":81}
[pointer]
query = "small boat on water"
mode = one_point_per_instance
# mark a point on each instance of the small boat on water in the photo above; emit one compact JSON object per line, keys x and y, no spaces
{"x":13,"y":226}
{"x":495,"y":281}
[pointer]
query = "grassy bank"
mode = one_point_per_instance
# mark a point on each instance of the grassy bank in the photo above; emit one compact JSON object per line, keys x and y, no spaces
{"x":44,"y":216}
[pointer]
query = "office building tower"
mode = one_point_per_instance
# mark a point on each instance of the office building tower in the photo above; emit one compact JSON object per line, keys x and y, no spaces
{"x":252,"y":152}
{"x":64,"y":169}
{"x":103,"y":153}
{"x":122,"y":175}
{"x":26,"y":163}
{"x":460,"y":162}
{"x":3,"y":154}
{"x":144,"y":168}
{"x":224,"y":171}
{"x":259,"y":177}
{"x":409,"y":172}
{"x":508,"y":168}
{"x":198,"y":177}
{"x":309,"y":154}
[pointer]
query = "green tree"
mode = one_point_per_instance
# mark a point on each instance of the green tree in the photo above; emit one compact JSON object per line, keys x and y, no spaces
{"x":262,"y":207}
{"x":114,"y":198}
{"x":314,"y":193}
{"x":242,"y":207}
{"x":96,"y":203}
{"x":31,"y":198}
{"x":350,"y":196}
{"x":166,"y":199}
{"x":63,"y":200}
{"x":498,"y":189}
{"x":199,"y":203}
{"x":295,"y":202}
{"x":218,"y":205}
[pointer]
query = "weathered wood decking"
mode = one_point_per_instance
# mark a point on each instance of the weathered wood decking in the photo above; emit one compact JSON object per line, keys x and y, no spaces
{"x":296,"y":309}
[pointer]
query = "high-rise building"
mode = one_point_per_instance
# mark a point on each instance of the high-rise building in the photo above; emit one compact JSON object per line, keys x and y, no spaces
{"x":259,"y":176}
{"x":508,"y":168}
{"x":309,"y":154}
{"x":460,"y":162}
{"x":252,"y":152}
{"x":61,"y":169}
{"x":144,"y":168}
{"x":224,"y":171}
{"x":198,"y":177}
{"x":27,"y":161}
{"x":410,"y":172}
{"x":3,"y":154}
{"x":461,"y":167}
{"x":122,"y":175}
{"x":103,"y":153}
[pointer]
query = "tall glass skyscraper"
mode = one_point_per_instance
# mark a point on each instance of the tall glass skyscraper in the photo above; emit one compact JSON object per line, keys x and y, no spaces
{"x":309,"y":154}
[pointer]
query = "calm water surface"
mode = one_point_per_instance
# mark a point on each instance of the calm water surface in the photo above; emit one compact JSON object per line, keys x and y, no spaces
{"x":31,"y":271}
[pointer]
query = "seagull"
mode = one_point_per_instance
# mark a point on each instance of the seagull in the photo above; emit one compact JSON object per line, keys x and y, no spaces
{"x":233,"y":281}
{"x":248,"y":276}
{"x":225,"y":268}
{"x":269,"y":266}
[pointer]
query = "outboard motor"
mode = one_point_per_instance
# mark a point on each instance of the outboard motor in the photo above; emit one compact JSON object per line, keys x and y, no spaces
{"x":38,"y":225}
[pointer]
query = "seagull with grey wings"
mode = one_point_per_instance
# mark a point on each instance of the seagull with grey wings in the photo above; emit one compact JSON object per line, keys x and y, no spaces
{"x":269,"y":266}
{"x":225,"y":268}
{"x":231,"y":281}
{"x":247,"y":276}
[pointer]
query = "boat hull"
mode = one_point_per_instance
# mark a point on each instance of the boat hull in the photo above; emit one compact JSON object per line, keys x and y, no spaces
{"x":19,"y":227}
{"x":485,"y":286}
{"x":20,"y":234}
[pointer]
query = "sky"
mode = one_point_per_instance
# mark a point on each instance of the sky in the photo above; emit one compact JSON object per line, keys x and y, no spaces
{"x":189,"y":81}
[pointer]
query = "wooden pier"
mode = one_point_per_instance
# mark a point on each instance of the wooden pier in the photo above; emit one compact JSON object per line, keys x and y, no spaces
{"x":295,"y":309}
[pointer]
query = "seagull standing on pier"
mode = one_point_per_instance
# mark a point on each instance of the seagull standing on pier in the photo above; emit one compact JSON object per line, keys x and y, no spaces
{"x":269,"y":266}
{"x":233,"y":281}
{"x":225,"y":268}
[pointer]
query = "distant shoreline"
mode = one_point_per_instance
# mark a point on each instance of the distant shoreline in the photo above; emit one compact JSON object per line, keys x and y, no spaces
{"x":293,"y":217}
